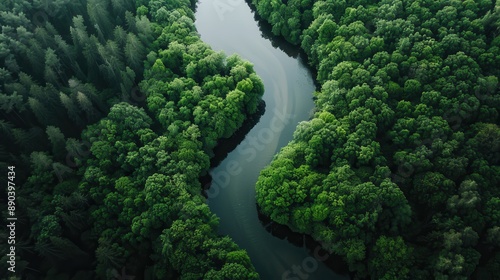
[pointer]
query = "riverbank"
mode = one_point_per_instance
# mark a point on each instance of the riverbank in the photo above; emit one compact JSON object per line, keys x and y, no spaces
{"x":288,"y":97}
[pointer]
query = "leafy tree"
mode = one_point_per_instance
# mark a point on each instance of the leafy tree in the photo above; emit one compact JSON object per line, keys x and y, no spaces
{"x":391,"y":259}
{"x":411,"y":87}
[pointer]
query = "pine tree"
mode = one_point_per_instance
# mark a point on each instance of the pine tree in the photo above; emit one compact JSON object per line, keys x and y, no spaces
{"x":68,"y":57}
{"x":5,"y":75}
{"x":91,"y":57}
{"x":121,"y":6}
{"x":8,"y":103}
{"x":99,"y":16}
{"x":128,"y":78}
{"x":120,"y":36}
{"x":144,"y":30}
{"x":79,"y":33}
{"x":130,"y":20}
{"x":11,"y":64}
{"x":134,"y":52}
{"x":90,"y":91}
{"x":86,"y":105}
{"x":34,"y":53}
{"x":41,"y":162}
{"x":71,"y":108}
{"x":57,"y":140}
{"x":44,"y":116}
{"x":51,"y":31}
{"x":23,"y":35}
{"x":111,"y":56}
{"x":62,"y":171}
{"x":26,"y":80}
{"x":52,"y":67}
{"x":43,"y":38}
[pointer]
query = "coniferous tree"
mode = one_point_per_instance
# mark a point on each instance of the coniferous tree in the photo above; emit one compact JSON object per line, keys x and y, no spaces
{"x":86,"y":106}
{"x":57,"y":141}
{"x":71,"y":108}
{"x":134,"y":52}
{"x":99,"y":16}
{"x":43,"y":115}
{"x":52,"y":67}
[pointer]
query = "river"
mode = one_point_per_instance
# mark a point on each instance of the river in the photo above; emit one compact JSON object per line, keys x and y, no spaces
{"x":229,"y":26}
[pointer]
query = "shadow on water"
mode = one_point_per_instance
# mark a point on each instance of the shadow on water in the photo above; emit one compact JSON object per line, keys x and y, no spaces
{"x":283,"y":232}
{"x":227,"y":145}
{"x":288,"y":101}
{"x":333,"y":261}
{"x":279,"y":42}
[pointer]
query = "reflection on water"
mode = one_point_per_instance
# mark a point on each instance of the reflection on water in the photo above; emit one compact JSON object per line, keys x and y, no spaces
{"x":230,"y":26}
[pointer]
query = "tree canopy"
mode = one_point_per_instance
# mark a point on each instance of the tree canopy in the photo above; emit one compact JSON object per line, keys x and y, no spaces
{"x":115,"y":107}
{"x":403,"y":147}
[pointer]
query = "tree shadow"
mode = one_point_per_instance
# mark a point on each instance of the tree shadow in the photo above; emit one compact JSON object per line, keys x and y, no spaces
{"x":283,"y":232}
{"x":227,"y":145}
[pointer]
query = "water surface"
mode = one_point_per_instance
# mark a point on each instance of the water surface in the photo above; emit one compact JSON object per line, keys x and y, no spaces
{"x":229,"y":26}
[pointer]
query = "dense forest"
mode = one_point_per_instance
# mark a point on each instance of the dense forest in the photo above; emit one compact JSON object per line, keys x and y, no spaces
{"x":398,"y":171}
{"x":110,"y":111}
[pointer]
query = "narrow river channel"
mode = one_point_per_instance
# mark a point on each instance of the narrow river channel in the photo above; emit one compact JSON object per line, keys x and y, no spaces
{"x":229,"y":26}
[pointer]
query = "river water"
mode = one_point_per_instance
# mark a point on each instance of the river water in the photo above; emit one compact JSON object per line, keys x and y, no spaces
{"x":229,"y":26}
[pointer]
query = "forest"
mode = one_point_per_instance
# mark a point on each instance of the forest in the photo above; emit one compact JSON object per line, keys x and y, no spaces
{"x":110,"y":110}
{"x":398,"y":171}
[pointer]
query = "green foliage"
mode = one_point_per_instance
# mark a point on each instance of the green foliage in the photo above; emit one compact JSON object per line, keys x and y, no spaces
{"x":152,"y":101}
{"x":391,"y":259}
{"x":405,"y":135}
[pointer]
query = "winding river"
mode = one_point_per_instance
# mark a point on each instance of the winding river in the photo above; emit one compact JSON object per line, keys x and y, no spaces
{"x":229,"y":26}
